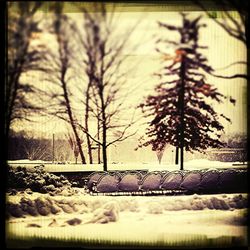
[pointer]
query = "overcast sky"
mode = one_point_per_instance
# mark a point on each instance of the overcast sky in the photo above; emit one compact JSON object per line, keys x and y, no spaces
{"x":222,"y":51}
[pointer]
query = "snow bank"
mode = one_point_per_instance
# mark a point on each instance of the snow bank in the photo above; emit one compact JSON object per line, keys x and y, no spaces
{"x":152,"y":220}
{"x":29,"y":205}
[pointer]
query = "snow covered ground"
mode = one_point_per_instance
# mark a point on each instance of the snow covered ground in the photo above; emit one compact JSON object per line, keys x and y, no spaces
{"x":192,"y":220}
{"x":130,"y":220}
{"x":189,"y":165}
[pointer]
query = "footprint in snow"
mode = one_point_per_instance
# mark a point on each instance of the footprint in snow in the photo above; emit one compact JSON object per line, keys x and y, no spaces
{"x":33,"y":225}
{"x":72,"y":222}
{"x":53,"y":223}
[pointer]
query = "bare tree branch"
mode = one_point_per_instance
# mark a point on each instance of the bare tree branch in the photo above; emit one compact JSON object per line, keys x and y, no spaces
{"x":232,"y":76}
{"x":236,"y":29}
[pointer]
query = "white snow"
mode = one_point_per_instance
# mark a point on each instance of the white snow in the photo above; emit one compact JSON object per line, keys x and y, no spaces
{"x":135,"y":218}
{"x":189,"y":165}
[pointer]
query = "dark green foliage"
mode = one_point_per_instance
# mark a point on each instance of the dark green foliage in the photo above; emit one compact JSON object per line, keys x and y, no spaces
{"x":37,"y":181}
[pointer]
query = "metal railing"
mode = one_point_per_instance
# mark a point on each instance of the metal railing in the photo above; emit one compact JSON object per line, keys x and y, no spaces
{"x":167,"y":182}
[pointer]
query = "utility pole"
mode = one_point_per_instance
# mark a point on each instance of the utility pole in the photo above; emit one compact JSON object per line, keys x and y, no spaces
{"x":53,"y":148}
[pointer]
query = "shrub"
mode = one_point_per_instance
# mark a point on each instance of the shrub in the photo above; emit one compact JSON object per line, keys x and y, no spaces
{"x":36,"y":181}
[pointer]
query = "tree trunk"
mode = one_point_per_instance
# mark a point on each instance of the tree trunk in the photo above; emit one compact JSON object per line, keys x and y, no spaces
{"x":177,"y":156}
{"x":182,"y":113}
{"x":104,"y":143}
{"x":64,"y":61}
{"x":104,"y":157}
{"x":72,"y":123}
{"x":98,"y":138}
{"x":104,"y":132}
{"x":87,"y":126}
{"x":182,"y":159}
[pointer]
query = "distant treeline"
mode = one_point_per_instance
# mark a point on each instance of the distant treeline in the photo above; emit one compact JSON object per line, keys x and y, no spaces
{"x":22,"y":145}
{"x":235,"y":149}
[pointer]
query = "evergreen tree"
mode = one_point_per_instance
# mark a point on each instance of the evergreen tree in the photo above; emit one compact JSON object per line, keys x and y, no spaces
{"x":182,"y":114}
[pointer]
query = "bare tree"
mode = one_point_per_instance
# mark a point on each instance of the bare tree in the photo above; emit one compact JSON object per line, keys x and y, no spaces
{"x":62,"y":152}
{"x":103,"y":63}
{"x":234,"y":24}
{"x":160,"y":153}
{"x":60,"y":72}
{"x":21,"y":58}
{"x":102,"y":95}
{"x":73,"y":144}
{"x":36,"y":150}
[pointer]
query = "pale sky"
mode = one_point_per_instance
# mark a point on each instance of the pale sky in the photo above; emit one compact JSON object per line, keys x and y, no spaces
{"x":145,"y":61}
